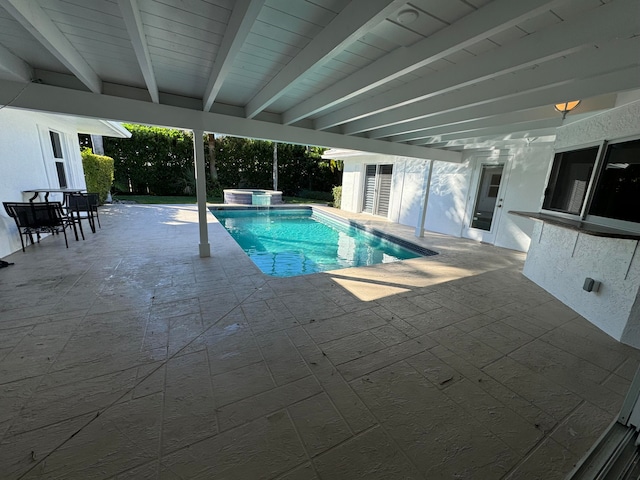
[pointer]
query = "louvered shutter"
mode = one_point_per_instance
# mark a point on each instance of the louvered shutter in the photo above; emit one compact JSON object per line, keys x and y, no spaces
{"x":369,"y":189}
{"x":384,"y":189}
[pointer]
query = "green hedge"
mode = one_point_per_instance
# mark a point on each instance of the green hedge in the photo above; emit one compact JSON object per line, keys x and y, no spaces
{"x":159,"y":161}
{"x":316,"y":195}
{"x":337,"y":196}
{"x":98,"y":173}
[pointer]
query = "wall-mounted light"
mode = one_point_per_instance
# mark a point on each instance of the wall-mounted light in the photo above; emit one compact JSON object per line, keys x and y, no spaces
{"x":566,"y":107}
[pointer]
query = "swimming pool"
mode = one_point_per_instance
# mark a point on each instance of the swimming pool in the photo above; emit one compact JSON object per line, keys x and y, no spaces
{"x":290,"y":242}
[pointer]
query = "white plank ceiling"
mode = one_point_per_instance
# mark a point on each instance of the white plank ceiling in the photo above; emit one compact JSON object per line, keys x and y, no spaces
{"x":445,"y":74}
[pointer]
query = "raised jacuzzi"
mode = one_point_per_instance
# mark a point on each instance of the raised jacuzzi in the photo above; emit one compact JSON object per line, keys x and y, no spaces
{"x":252,"y":196}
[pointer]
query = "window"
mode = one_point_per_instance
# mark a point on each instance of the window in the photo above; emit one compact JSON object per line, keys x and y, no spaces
{"x":62,"y":176}
{"x":55,"y":144}
{"x":618,"y":189}
{"x":56,"y":147}
{"x":569,"y":179}
{"x":597,"y":184}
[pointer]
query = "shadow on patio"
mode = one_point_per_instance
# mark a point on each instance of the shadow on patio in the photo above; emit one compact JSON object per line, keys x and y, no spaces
{"x":128,"y":356}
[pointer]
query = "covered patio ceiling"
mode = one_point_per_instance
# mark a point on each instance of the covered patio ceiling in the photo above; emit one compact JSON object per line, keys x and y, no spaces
{"x":425,"y":78}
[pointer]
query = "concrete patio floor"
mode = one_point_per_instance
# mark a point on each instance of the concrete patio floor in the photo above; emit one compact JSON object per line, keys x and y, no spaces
{"x":127,"y":356}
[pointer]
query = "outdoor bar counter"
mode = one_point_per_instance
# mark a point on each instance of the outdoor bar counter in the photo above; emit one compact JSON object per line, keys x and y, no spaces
{"x":582,"y":227}
{"x":564,"y":254}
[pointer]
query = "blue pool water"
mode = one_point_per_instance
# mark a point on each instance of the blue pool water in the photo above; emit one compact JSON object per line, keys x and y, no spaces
{"x":289,"y":242}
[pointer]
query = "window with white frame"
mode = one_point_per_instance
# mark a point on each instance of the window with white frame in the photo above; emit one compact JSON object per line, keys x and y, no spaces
{"x":58,"y":156}
{"x":600,"y":184}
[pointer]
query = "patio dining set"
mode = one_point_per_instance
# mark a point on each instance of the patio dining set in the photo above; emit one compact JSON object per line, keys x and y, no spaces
{"x":54,"y":217}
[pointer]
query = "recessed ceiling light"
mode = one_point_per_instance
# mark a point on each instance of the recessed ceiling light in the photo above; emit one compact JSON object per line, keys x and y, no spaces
{"x":405,"y":17}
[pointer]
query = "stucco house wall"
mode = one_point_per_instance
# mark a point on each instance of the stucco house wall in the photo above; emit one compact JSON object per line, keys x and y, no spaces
{"x":559,"y":259}
{"x":529,"y":168}
{"x":27,"y":159}
{"x":450,"y":195}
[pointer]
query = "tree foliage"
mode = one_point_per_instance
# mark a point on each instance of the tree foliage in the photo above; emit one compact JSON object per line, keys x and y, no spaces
{"x":154,"y":160}
{"x":159,"y":161}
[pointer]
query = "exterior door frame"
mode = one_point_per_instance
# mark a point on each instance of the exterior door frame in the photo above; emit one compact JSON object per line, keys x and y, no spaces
{"x":478,"y":234}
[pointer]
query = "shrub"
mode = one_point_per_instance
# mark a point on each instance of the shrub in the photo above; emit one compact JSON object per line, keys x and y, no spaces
{"x":337,"y":196}
{"x":315,"y":195}
{"x":98,"y":173}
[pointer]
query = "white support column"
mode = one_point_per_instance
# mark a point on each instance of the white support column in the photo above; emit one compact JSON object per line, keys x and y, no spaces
{"x":425,"y":203}
{"x":201,"y":191}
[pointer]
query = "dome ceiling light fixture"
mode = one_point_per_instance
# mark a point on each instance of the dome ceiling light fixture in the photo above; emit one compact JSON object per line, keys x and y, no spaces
{"x":407,"y":16}
{"x":566,"y":107}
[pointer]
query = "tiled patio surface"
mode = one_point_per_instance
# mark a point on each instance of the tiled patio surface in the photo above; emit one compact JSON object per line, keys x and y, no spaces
{"x":127,"y":356}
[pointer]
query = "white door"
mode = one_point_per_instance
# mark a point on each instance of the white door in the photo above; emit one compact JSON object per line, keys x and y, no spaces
{"x":485,"y":202}
{"x":377,"y":189}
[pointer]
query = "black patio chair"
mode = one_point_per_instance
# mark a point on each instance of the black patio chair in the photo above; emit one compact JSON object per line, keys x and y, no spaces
{"x":38,"y":218}
{"x":94,"y":203}
{"x":79,"y":208}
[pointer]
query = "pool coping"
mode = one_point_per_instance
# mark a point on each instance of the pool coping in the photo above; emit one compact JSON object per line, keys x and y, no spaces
{"x":420,"y":250}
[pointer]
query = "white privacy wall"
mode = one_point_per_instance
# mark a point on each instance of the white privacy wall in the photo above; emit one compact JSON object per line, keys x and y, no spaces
{"x":526,"y":183}
{"x":449,"y":194}
{"x":448,"y":197}
{"x":22,"y":164}
{"x":560,"y":260}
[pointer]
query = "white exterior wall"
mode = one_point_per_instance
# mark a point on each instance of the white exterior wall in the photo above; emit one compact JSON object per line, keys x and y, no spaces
{"x":24,"y":150}
{"x":527,"y":179}
{"x":561,"y":260}
{"x":351,"y":185}
{"x":449,"y":196}
{"x":449,"y":186}
{"x":409,"y":176}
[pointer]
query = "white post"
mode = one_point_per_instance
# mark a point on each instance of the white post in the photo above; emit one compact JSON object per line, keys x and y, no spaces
{"x":201,"y":191}
{"x":425,"y":203}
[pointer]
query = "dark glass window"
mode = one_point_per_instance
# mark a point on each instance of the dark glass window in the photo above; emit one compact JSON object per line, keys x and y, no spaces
{"x":617,"y":193}
{"x":569,"y":180}
{"x":55,"y":144}
{"x":62,"y":176}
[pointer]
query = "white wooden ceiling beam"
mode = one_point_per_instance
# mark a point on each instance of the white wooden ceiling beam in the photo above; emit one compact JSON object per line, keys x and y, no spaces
{"x":497,"y":131}
{"x":15,"y":66}
{"x":493,"y":18}
{"x":33,"y":18}
{"x":510,"y":118}
{"x":541,"y":136}
{"x":358,"y":17}
{"x":48,"y":98}
{"x":602,"y":24}
{"x":242,"y":18}
{"x":584,"y":64}
{"x":587,"y":106}
{"x":626,"y":79}
{"x":133,"y":22}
